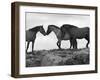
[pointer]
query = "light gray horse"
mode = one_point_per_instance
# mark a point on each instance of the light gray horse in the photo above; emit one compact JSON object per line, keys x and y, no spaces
{"x":58,"y":34}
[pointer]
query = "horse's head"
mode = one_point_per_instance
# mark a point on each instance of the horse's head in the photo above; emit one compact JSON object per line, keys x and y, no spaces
{"x":53,"y":28}
{"x":41,"y":29}
{"x":49,"y":30}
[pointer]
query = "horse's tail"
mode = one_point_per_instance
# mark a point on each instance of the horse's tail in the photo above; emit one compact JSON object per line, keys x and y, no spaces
{"x":88,"y":31}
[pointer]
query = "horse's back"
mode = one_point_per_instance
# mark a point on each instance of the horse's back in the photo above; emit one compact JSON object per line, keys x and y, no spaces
{"x":80,"y":32}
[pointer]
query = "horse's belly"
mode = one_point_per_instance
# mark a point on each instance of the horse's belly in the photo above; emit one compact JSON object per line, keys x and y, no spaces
{"x":66,"y":37}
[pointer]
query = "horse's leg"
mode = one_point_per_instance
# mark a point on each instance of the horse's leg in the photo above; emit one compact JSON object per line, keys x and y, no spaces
{"x":59,"y":44}
{"x":87,"y":42}
{"x":27,"y":46}
{"x":71,"y":43}
{"x":74,"y":43}
{"x":33,"y":45}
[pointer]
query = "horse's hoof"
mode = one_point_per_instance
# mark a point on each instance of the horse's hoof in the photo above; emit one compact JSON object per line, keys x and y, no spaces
{"x":60,"y":48}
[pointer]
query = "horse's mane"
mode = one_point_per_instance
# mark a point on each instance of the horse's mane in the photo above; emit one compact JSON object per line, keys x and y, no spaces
{"x":54,"y":26}
{"x":34,"y":28}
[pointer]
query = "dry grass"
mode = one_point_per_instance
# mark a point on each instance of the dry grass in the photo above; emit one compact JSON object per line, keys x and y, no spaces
{"x":57,"y":57}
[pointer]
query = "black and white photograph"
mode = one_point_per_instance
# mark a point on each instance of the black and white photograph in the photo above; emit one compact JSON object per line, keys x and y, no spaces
{"x":52,"y":39}
{"x":57,"y":39}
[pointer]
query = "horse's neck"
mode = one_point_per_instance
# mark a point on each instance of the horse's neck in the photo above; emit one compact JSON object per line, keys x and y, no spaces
{"x":56,"y":30}
{"x":35,"y":30}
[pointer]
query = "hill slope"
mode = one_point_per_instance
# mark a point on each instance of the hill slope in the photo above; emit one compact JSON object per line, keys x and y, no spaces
{"x":57,"y":57}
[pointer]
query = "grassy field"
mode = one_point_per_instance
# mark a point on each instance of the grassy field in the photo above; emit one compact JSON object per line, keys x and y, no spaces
{"x":56,"y":57}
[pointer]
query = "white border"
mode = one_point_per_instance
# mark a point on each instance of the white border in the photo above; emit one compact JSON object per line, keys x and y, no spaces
{"x":37,"y":70}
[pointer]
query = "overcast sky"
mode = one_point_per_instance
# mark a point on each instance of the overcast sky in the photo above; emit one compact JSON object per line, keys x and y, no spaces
{"x":49,"y":42}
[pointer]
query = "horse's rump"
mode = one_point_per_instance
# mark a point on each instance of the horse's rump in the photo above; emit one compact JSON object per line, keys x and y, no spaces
{"x":30,"y":35}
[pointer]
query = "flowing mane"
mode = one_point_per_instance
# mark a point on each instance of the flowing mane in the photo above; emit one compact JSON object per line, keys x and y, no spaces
{"x":54,"y":26}
{"x":35,"y":28}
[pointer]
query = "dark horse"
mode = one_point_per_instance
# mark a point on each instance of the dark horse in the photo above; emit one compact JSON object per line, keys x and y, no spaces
{"x":76,"y":33}
{"x":31,"y":35}
{"x":58,"y":33}
{"x":66,"y":28}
